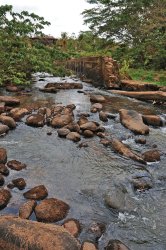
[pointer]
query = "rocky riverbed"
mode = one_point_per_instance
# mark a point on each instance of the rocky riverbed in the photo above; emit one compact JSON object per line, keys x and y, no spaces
{"x":86,"y":159}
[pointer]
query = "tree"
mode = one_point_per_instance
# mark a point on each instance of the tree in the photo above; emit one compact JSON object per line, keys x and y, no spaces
{"x":140,"y":25}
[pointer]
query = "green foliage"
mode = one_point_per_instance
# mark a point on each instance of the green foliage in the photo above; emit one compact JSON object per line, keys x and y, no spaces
{"x":19,"y":57}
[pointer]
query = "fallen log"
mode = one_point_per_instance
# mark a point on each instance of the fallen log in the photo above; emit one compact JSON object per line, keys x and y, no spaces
{"x":143,"y":95}
{"x":132,"y":85}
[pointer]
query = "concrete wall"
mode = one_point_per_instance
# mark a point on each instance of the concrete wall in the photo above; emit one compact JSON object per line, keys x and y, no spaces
{"x":103,"y":71}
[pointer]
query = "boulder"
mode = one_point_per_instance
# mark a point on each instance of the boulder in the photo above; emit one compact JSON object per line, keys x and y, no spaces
{"x":51,"y":210}
{"x":116,"y":245}
{"x":122,"y":149}
{"x":151,"y":155}
{"x":19,"y":183}
{"x":4,"y":170}
{"x":18,"y":113}
{"x":63,"y":132}
{"x":72,"y":226}
{"x":82,"y":120}
{"x":133,"y":121}
{"x":5,"y":196}
{"x":16,"y":165}
{"x":60,"y":120}
{"x":88,"y":246}
{"x":89,"y":126}
{"x":21,"y":234}
{"x":3,"y":129}
{"x":152,"y":120}
{"x":103,"y":116}
{"x":88,"y":133}
{"x":73,"y":136}
{"x":9,"y":100}
{"x":97,"y":98}
{"x":3,"y":155}
{"x":26,"y":209}
{"x":35,"y":120}
{"x":7,"y":120}
{"x":37,"y":193}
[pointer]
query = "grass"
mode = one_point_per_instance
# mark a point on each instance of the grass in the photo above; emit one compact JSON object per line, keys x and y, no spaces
{"x":151,"y":76}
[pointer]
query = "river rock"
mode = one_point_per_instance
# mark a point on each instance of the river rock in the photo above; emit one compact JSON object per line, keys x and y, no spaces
{"x":3,"y":129}
{"x":5,"y":196}
{"x":35,"y":120}
{"x":37,"y":193}
{"x":83,"y":145}
{"x":89,"y":126}
{"x":12,"y":88}
{"x":88,"y":133}
{"x":122,"y":149}
{"x":116,"y":245}
{"x":105,"y":142}
{"x":26,"y":209}
{"x":140,"y":140}
{"x":96,"y":230}
{"x":71,"y":106}
{"x":64,"y":85}
{"x":63,"y":132}
{"x":73,"y":127}
{"x":3,"y":169}
{"x":103,"y":116}
{"x":152,"y":120}
{"x":97,"y":106}
{"x":61,"y":120}
{"x":133,"y":121}
{"x":21,"y":234}
{"x":51,"y":210}
{"x":19,"y":183}
{"x":101,"y":135}
{"x":48,"y":90}
{"x":7,"y":120}
{"x":115,"y":199}
{"x":9,"y":100}
{"x":16,"y":165}
{"x":18,"y":113}
{"x":97,"y":98}
{"x":142,"y":183}
{"x":73,"y":136}
{"x":100,"y":129}
{"x":82,"y":120}
{"x":2,"y":180}
{"x":3,"y":155}
{"x":72,"y":226}
{"x":151,"y":155}
{"x":88,"y":246}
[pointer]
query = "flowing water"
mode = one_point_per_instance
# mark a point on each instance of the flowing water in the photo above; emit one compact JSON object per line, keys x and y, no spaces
{"x":83,"y":176}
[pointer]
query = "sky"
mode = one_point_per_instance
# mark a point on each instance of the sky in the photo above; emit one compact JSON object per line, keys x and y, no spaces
{"x":64,"y":15}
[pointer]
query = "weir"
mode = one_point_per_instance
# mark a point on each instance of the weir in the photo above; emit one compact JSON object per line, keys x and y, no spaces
{"x":102,"y":70}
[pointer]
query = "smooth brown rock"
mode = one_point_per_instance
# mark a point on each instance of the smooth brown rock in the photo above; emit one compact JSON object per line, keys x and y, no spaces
{"x":105,"y":142}
{"x":3,"y":129}
{"x":100,"y":134}
{"x":143,"y":95}
{"x":151,"y":155}
{"x":48,"y":90}
{"x":133,"y":121}
{"x":82,"y":120}
{"x":9,"y":100}
{"x":116,"y":245}
{"x":36,"y":120}
{"x":73,"y":127}
{"x":51,"y":210}
{"x":72,"y":226}
{"x":60,"y":120}
{"x":97,"y":98}
{"x":73,"y":136}
{"x":26,"y":209}
{"x":122,"y":149}
{"x":152,"y":120}
{"x":37,"y":193}
{"x":88,"y":133}
{"x":83,"y":145}
{"x":5,"y":196}
{"x":16,"y":165}
{"x":19,"y":183}
{"x":21,"y":234}
{"x":97,"y":106}
{"x":18,"y":113}
{"x":3,"y":169}
{"x":64,"y":85}
{"x":3,"y":155}
{"x":103,"y":116}
{"x":7,"y":120}
{"x":89,"y":126}
{"x":140,"y":140}
{"x":63,"y":132}
{"x":88,"y":246}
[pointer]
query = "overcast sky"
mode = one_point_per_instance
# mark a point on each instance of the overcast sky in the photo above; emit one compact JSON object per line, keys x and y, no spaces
{"x":64,"y":15}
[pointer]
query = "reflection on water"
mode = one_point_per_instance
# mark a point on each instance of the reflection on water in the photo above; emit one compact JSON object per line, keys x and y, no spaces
{"x":82,"y":177}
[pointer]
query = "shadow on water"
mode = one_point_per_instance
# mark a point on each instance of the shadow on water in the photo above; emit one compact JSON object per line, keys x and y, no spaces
{"x":82,"y":177}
